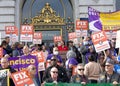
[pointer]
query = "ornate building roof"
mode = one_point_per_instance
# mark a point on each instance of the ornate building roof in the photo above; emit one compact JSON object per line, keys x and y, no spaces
{"x":47,"y":16}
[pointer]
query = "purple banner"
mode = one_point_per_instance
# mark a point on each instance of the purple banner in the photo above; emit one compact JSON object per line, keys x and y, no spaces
{"x":23,"y":62}
{"x":94,"y":20}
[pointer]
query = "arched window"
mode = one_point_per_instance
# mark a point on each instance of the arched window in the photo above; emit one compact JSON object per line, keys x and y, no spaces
{"x":32,"y":8}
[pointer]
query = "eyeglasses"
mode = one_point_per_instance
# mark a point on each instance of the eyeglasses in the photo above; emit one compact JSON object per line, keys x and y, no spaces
{"x":81,"y":69}
{"x":53,"y":59}
{"x":54,"y":72}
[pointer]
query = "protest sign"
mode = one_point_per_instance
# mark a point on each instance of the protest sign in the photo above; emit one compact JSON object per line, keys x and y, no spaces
{"x":100,"y":41}
{"x":37,"y":38}
{"x":118,"y":39}
{"x":72,"y":36}
{"x":1,"y":52}
{"x":23,"y":62}
{"x":12,"y":32}
{"x":41,"y":59}
{"x":57,"y":39}
{"x":26,"y":33}
{"x":4,"y":79}
{"x":22,"y":78}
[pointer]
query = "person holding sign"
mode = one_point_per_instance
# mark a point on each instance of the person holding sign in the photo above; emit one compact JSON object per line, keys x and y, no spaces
{"x":5,"y":65}
{"x":32,"y":72}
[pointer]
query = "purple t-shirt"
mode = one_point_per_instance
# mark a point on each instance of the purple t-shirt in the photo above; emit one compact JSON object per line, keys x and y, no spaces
{"x":58,"y":57}
{"x":72,"y":61}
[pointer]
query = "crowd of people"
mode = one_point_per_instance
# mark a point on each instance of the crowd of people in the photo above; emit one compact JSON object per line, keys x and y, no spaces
{"x":67,"y":62}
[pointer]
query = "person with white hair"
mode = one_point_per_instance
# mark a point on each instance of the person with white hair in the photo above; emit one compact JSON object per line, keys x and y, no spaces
{"x":32,"y":72}
{"x":71,"y":62}
{"x":5,"y":65}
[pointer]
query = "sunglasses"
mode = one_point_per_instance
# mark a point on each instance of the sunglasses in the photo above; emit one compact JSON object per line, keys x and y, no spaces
{"x":54,"y":72}
{"x":81,"y":69}
{"x":53,"y":59}
{"x":33,"y":68}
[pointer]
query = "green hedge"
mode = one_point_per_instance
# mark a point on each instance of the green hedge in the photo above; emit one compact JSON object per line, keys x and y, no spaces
{"x":71,"y":84}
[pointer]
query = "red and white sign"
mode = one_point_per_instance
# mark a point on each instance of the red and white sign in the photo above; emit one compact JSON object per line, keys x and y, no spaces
{"x":118,"y":39}
{"x":41,"y":59}
{"x":72,"y":35}
{"x":1,"y":52}
{"x":81,"y":33}
{"x":81,"y":25}
{"x":57,"y":39}
{"x":22,"y":78}
{"x":12,"y":32}
{"x":37,"y":38}
{"x":100,"y":42}
{"x":26,"y":33}
{"x":111,"y":34}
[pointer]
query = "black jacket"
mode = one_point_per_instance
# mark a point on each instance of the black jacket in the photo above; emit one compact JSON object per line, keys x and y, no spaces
{"x":105,"y":78}
{"x":61,"y":73}
{"x":78,"y":79}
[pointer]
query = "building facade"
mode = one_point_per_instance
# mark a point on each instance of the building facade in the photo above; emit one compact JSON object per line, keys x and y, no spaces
{"x":11,"y":11}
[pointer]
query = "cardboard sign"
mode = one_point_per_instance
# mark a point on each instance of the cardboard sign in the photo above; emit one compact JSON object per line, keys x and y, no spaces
{"x":100,"y":42}
{"x":81,"y":33}
{"x":111,"y":34}
{"x":22,"y":78}
{"x":1,"y":52}
{"x":57,"y":39}
{"x":41,"y":66}
{"x":4,"y":79}
{"x":41,"y":60}
{"x":26,"y":33}
{"x":118,"y":39}
{"x":72,"y":35}
{"x":12,"y":32}
{"x":80,"y":24}
{"x":37,"y":38}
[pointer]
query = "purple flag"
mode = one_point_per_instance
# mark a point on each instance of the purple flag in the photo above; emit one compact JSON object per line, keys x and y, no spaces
{"x":94,"y":20}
